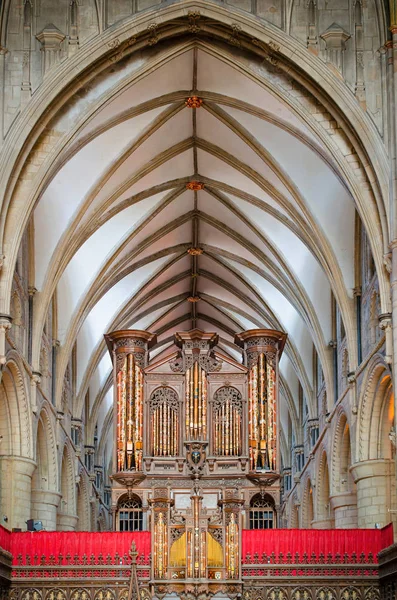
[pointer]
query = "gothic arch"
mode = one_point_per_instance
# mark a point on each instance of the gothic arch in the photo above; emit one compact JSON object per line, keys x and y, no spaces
{"x":67,"y":505}
{"x":323,"y":506}
{"x":307,"y":506}
{"x":45,"y":476}
{"x":341,"y":460}
{"x":16,"y":426}
{"x":83,"y":503}
{"x":376,"y":393}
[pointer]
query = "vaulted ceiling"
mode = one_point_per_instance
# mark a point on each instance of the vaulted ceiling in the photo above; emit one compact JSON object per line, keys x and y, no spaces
{"x":272,"y":217}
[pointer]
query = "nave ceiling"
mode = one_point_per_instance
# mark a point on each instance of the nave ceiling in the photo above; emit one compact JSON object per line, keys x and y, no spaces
{"x":273,"y":218}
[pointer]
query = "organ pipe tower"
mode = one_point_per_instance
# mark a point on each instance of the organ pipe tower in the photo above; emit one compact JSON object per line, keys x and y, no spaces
{"x":196,"y":454}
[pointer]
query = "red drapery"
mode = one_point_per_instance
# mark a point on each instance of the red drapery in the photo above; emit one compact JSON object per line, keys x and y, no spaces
{"x":65,"y":543}
{"x":255,"y":543}
{"x":5,"y":538}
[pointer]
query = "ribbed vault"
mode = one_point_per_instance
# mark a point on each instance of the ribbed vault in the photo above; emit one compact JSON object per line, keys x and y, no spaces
{"x":118,"y":223}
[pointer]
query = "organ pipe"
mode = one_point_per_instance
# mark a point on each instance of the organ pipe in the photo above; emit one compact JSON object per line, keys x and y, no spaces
{"x":196,"y":403}
{"x":262,"y":351}
{"x":129,"y":402}
{"x":227,"y":411}
{"x":129,"y":352}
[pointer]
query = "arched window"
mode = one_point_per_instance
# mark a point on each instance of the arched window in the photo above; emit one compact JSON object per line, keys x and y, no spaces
{"x":130,"y":515}
{"x":262,"y":513}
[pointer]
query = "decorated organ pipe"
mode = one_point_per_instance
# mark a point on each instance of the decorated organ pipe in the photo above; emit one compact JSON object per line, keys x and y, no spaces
{"x":164,"y":422}
{"x":129,"y":352}
{"x":198,"y":360}
{"x":262,"y":352}
{"x":227,"y":420}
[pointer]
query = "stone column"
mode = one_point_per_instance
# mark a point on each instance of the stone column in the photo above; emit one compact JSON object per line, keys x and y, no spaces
{"x":50,"y":39}
{"x":323,"y":523}
{"x":44,"y":507}
{"x":345,"y":509}
{"x":67,"y":522}
{"x":15,"y":491}
{"x":373,"y":481}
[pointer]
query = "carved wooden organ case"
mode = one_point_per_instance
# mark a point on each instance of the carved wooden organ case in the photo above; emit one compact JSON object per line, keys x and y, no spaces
{"x":195,"y":437}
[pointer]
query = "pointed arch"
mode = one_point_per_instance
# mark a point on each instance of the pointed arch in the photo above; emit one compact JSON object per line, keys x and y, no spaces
{"x":83,"y":502}
{"x":376,"y":412}
{"x":324,"y":516}
{"x":307,"y":506}
{"x":45,"y":477}
{"x":66,"y":518}
{"x":341,"y":478}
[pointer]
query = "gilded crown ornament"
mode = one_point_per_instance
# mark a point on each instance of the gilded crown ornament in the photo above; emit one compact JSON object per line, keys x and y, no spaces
{"x":193,"y":299}
{"x":194,"y":102}
{"x":195,"y":251}
{"x":195,"y":186}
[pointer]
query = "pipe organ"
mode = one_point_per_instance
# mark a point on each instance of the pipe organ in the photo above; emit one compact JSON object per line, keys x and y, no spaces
{"x":196,"y":441}
{"x":164,"y":422}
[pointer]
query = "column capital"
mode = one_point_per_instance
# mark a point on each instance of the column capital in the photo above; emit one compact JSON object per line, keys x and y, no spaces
{"x":371,"y":468}
{"x":343,"y":499}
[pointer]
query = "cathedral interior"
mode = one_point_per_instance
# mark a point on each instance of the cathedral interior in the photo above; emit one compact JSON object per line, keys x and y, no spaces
{"x":198,"y":299}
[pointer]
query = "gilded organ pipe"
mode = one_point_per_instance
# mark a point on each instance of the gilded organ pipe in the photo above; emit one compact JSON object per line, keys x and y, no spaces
{"x":263,"y":348}
{"x":164,"y":422}
{"x":129,"y":403}
{"x":129,"y":352}
{"x":232,"y":548}
{"x":227,"y":411}
{"x":196,"y":402}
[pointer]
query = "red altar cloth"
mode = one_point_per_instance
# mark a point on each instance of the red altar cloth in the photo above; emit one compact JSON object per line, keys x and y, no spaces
{"x":79,"y":543}
{"x":314,"y":541}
